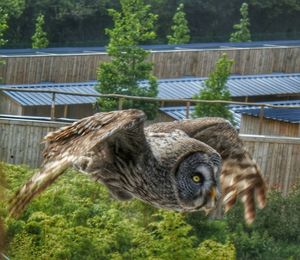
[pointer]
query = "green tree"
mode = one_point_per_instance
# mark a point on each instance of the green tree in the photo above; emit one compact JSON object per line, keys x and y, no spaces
{"x":39,"y":38}
{"x":210,"y":249}
{"x":180,"y":29}
{"x":172,"y":237}
{"x":215,"y":89}
{"x":3,"y":26}
{"x":242,"y":33}
{"x":132,"y":25}
{"x":13,"y":8}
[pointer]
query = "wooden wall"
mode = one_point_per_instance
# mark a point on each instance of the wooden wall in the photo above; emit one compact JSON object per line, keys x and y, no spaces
{"x":278,"y":158}
{"x":20,"y":143}
{"x":167,"y":64}
{"x":20,"y":140}
{"x":250,"y":125}
{"x":70,"y":111}
{"x":9,"y":106}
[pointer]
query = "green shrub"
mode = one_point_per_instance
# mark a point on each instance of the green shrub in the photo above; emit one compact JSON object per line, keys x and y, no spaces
{"x":77,"y":219}
{"x":275,"y":231}
{"x":210,"y":249}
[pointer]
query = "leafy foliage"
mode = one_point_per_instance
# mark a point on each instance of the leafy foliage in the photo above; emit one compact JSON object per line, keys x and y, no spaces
{"x":210,"y":249}
{"x":215,"y":89}
{"x":132,"y":25}
{"x":77,"y":219}
{"x":83,"y":22}
{"x":3,"y":26}
{"x":242,"y":33}
{"x":39,"y":38}
{"x":13,"y":8}
{"x":275,"y":231}
{"x":180,"y":29}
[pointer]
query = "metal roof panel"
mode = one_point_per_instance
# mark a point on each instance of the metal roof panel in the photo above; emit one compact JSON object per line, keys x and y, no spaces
{"x":239,"y":86}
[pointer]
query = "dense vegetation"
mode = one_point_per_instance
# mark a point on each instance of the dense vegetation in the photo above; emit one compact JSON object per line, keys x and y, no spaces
{"x":77,"y":219}
{"x":214,"y":88}
{"x":133,"y":25}
{"x":73,"y":22}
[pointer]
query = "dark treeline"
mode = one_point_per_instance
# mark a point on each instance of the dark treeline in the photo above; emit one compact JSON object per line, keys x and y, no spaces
{"x":83,"y":22}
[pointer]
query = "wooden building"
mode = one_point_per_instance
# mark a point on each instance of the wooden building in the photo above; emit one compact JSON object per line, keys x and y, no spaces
{"x":190,"y":60}
{"x":39,"y":104}
{"x":275,"y":122}
{"x":242,"y":88}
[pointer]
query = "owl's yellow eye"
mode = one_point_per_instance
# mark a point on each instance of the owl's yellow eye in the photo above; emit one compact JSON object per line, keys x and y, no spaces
{"x":197,"y":178}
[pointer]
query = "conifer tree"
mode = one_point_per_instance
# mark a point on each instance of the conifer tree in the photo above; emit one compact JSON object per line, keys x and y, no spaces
{"x":180,"y":30}
{"x":133,"y":25}
{"x":215,"y":89}
{"x":242,"y":33}
{"x":3,"y":28}
{"x":39,"y":38}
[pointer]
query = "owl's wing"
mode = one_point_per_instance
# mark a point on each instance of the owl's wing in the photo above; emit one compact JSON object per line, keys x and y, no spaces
{"x":240,"y":175}
{"x":119,"y":130}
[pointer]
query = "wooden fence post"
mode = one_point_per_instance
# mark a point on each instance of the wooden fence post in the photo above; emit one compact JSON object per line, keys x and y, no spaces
{"x":53,"y":106}
{"x":120,"y":103}
{"x":187,"y":110}
{"x":261,"y":119}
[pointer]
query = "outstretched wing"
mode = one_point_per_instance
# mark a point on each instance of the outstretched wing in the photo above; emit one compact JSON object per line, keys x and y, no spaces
{"x":240,"y":175}
{"x":122,"y":130}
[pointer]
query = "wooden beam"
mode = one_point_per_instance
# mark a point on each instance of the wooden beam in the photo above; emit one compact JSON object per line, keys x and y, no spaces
{"x":66,"y":111}
{"x":188,"y":104}
{"x":120,"y":103}
{"x":53,"y":106}
{"x":261,"y":119}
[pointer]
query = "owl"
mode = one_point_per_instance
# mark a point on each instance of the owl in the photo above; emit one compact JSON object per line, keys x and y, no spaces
{"x":184,"y":166}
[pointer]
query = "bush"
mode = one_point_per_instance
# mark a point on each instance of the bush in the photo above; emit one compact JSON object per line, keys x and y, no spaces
{"x":275,"y":231}
{"x":77,"y":219}
{"x":210,"y":249}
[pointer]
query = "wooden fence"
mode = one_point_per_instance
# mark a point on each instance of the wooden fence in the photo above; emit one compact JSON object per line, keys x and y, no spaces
{"x":278,"y":158}
{"x":167,"y":64}
{"x":252,"y":125}
{"x":20,"y":143}
{"x":20,"y":140}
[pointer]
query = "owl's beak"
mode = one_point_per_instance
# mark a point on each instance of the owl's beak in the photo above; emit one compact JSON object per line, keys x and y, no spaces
{"x":213,"y":193}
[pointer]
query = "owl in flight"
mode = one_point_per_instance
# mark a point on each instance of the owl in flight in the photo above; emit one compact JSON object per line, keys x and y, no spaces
{"x":183,"y":165}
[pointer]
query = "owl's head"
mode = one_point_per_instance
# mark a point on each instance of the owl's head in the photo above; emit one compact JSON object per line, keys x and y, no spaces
{"x":196,"y":181}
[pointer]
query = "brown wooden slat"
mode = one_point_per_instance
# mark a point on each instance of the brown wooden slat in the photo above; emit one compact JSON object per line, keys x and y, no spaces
{"x":167,"y":64}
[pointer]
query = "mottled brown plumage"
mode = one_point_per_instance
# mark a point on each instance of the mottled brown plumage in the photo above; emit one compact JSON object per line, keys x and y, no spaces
{"x":240,"y":174}
{"x":169,"y":165}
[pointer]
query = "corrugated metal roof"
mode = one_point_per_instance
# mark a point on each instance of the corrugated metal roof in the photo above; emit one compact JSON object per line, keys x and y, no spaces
{"x":239,"y":86}
{"x":283,"y":114}
{"x":254,"y":85}
{"x":43,"y":99}
{"x":157,"y":47}
{"x":179,"y":113}
{"x":291,"y":115}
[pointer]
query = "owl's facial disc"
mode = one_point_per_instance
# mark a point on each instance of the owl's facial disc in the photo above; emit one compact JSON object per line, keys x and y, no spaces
{"x":196,"y":183}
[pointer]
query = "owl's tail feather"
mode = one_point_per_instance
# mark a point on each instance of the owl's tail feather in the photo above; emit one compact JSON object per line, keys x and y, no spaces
{"x":38,"y":183}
